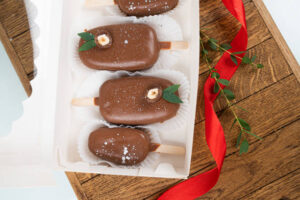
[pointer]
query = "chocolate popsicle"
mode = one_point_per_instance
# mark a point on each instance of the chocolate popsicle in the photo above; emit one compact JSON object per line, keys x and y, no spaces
{"x":137,"y":8}
{"x":129,"y":47}
{"x":137,"y":100}
{"x":126,"y":146}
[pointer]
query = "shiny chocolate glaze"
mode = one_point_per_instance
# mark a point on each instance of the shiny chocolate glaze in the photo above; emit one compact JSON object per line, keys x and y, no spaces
{"x":134,"y":47}
{"x":123,"y":146}
{"x":146,"y":7}
{"x":124,"y":101}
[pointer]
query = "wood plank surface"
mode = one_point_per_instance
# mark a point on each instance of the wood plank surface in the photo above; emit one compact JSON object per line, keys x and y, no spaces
{"x":225,"y":29}
{"x":286,"y":187}
{"x":279,"y":38}
{"x":272,"y":95}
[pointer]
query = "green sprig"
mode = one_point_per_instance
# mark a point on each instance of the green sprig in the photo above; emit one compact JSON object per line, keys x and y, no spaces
{"x":234,"y":56}
{"x":245,"y":129}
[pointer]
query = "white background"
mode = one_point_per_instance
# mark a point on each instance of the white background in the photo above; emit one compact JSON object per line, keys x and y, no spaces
{"x":286,"y":14}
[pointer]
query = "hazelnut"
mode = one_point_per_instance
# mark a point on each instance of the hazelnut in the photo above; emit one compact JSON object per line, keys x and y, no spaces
{"x":154,"y":94}
{"x":103,"y":39}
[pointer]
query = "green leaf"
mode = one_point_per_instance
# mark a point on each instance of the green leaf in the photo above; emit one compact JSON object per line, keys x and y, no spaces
{"x":254,"y":135}
{"x":172,"y":88}
{"x":259,"y":66}
{"x":216,"y":87}
{"x":215,"y":75}
{"x":238,"y":141}
{"x":224,"y":82}
{"x":244,"y":124}
{"x":226,"y":46}
{"x":234,"y":60}
{"x":246,"y":60}
{"x":171,"y":97}
{"x":253,"y":58}
{"x":244,"y":147}
{"x":238,"y":52}
{"x":86,"y":36}
{"x":229,"y":94}
{"x":204,"y":51}
{"x":241,"y":108}
{"x":212,"y":43}
{"x":87,"y":45}
{"x":233,"y":124}
{"x":209,"y":60}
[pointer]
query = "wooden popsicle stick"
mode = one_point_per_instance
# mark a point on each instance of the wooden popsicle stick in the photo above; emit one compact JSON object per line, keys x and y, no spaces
{"x":169,"y":149}
{"x":175,"y":45}
{"x":96,"y":3}
{"x":85,"y":101}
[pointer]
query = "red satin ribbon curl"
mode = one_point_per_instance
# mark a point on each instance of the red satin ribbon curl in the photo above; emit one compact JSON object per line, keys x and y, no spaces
{"x":201,"y":184}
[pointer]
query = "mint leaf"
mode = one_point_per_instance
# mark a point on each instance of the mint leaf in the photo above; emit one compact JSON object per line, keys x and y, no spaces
{"x":224,"y":82}
{"x":172,"y":88}
{"x":87,"y":45}
{"x":244,"y":124}
{"x":241,"y":108}
{"x":259,"y":66}
{"x":244,"y":147}
{"x":229,"y":94}
{"x":234,"y":60}
{"x":238,"y":141}
{"x":215,"y":75}
{"x":86,"y":36}
{"x":170,"y":96}
{"x":212,"y":43}
{"x":250,"y":133}
{"x":216,"y":87}
{"x":233,"y":123}
{"x":226,"y":46}
{"x":246,"y":60}
{"x":239,"y":52}
{"x":253,"y":58}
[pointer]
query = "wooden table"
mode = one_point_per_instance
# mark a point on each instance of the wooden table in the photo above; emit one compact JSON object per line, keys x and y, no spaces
{"x":271,"y":169}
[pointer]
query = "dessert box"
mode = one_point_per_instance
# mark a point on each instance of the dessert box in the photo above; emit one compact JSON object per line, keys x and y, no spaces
{"x":46,"y":136}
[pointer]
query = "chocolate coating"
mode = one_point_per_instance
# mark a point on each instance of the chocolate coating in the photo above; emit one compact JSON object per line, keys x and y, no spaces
{"x":124,"y":101}
{"x":134,"y":47}
{"x":146,"y":7}
{"x":123,"y":146}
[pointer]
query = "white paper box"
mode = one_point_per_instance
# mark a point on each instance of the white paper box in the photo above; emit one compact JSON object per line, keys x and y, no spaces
{"x":40,"y":141}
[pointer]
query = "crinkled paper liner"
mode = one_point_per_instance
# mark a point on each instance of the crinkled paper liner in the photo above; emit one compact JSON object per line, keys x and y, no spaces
{"x":88,"y":157}
{"x":115,"y":11}
{"x":90,"y":88}
{"x":167,"y":29}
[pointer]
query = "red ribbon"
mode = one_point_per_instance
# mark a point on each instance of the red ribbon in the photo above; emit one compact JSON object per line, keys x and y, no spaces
{"x":201,"y":184}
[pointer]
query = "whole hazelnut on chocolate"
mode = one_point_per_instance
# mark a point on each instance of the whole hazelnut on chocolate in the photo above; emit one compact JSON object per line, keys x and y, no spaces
{"x":103,"y":39}
{"x":154,"y":94}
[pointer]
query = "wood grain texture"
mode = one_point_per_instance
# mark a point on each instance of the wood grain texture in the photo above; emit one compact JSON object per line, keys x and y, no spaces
{"x":23,"y":47}
{"x":263,"y":118}
{"x":285,"y":188}
{"x":263,"y":164}
{"x":211,"y":11}
{"x":225,"y":29}
{"x":248,"y":80}
{"x":13,"y":17}
{"x":17,"y":64}
{"x":278,"y":37}
{"x":76,"y":186}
